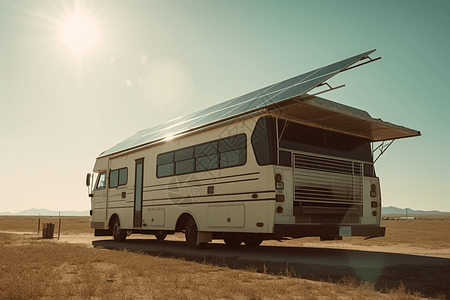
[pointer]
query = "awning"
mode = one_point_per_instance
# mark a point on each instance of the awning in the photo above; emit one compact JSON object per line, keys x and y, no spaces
{"x":322,"y":113}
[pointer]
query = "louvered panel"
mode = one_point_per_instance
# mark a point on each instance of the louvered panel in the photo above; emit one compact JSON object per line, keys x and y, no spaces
{"x":329,"y":180}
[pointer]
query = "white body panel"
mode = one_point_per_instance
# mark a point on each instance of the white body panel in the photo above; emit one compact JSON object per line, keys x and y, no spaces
{"x":240,"y":199}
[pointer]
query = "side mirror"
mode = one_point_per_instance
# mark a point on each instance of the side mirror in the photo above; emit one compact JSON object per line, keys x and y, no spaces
{"x":88,"y":179}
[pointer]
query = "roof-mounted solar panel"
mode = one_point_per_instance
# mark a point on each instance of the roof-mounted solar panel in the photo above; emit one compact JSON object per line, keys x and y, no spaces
{"x":276,"y":95}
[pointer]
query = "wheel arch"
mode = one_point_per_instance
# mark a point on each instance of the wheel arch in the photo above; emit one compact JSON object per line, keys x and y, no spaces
{"x":112,"y":218}
{"x":182,"y":220}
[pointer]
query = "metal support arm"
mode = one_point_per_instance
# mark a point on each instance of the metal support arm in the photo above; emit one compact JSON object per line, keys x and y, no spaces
{"x":382,"y":148}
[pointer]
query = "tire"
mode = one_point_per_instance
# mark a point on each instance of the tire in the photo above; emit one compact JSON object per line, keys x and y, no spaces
{"x":190,"y":233}
{"x":253,"y":243}
{"x":118,"y":233}
{"x":161,"y":235}
{"x":232,"y":241}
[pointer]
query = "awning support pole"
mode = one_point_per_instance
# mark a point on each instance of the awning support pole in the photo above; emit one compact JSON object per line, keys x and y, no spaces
{"x":382,"y":147}
{"x":278,"y":141}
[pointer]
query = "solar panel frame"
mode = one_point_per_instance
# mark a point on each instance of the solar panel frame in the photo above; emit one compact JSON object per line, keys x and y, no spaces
{"x":274,"y":94}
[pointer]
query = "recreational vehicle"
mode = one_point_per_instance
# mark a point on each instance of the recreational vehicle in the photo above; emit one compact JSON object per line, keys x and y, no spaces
{"x":274,"y":163}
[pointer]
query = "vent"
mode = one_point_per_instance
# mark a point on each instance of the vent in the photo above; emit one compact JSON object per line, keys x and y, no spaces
{"x":327,"y":182}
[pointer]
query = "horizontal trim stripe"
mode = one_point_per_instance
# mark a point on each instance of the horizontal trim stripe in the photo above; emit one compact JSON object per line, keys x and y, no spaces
{"x":120,"y":200}
{"x":209,"y":184}
{"x":120,"y":207}
{"x":211,"y":202}
{"x":212,"y":178}
{"x":211,"y":195}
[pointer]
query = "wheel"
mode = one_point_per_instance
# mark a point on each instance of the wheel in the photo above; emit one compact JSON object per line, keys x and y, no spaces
{"x":118,"y":233}
{"x":191,"y":235}
{"x":161,"y":235}
{"x":232,"y":241}
{"x":253,"y":242}
{"x":191,"y":232}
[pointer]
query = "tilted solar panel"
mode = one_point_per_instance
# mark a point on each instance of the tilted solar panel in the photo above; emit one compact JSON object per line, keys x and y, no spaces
{"x":259,"y":99}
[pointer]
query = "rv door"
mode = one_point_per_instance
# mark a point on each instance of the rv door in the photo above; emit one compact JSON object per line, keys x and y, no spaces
{"x":98,"y":202}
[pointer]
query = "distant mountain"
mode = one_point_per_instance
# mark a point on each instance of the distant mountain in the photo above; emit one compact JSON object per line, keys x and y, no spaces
{"x":46,"y":212}
{"x":401,"y":211}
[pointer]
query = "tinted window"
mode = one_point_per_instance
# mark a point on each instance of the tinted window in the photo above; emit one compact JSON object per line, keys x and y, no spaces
{"x":185,"y":166}
{"x":118,"y":177}
{"x":123,"y":176}
{"x":234,"y":142}
{"x":233,"y":158}
{"x":206,"y":149}
{"x":114,"y":178}
{"x":165,"y":158}
{"x":285,"y":158}
{"x":184,"y":154}
{"x":206,"y":163}
{"x":204,"y":157}
{"x":165,"y":170}
{"x":264,"y":141}
{"x":369,"y":171}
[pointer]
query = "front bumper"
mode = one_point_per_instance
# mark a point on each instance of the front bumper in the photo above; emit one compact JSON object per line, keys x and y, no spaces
{"x":298,"y":231}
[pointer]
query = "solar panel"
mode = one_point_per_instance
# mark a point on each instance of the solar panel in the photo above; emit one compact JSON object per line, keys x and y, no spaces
{"x":259,"y":99}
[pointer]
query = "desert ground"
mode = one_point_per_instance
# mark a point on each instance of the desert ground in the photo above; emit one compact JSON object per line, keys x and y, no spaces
{"x":80,"y":266}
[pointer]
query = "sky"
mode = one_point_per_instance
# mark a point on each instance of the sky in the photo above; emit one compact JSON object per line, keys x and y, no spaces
{"x":146,"y":62}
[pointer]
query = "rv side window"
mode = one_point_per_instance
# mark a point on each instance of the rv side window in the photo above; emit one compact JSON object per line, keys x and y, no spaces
{"x":184,"y":167}
{"x":206,"y":163}
{"x":101,"y":181}
{"x":206,"y":149}
{"x":233,"y":151}
{"x":123,"y":176}
{"x":165,"y":158}
{"x":165,"y":164}
{"x":264,"y":141}
{"x":118,"y":177}
{"x":233,"y":158}
{"x":165,"y":170}
{"x":223,"y":153}
{"x":184,"y":154}
{"x":232,"y":143}
{"x":184,"y":161}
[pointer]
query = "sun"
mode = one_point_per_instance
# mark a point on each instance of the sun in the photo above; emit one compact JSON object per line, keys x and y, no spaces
{"x":79,"y":33}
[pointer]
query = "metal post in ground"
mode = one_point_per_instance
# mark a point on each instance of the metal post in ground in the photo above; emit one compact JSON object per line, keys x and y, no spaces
{"x":59,"y":228}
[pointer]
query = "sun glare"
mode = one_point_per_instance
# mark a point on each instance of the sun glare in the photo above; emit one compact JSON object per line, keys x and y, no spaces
{"x":79,"y":33}
{"x":168,"y":137}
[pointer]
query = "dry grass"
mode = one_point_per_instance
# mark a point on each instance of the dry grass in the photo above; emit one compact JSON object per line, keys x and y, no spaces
{"x":428,"y":231}
{"x":42,"y":269}
{"x":69,"y":225}
{"x":432,"y":233}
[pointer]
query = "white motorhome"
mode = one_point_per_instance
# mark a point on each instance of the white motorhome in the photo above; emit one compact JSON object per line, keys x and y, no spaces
{"x":278,"y":162}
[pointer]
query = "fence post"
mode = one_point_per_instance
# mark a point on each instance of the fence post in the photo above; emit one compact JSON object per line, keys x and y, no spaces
{"x":59,"y":228}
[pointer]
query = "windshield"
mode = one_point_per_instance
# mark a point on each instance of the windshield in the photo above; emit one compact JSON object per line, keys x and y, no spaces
{"x":101,"y":181}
